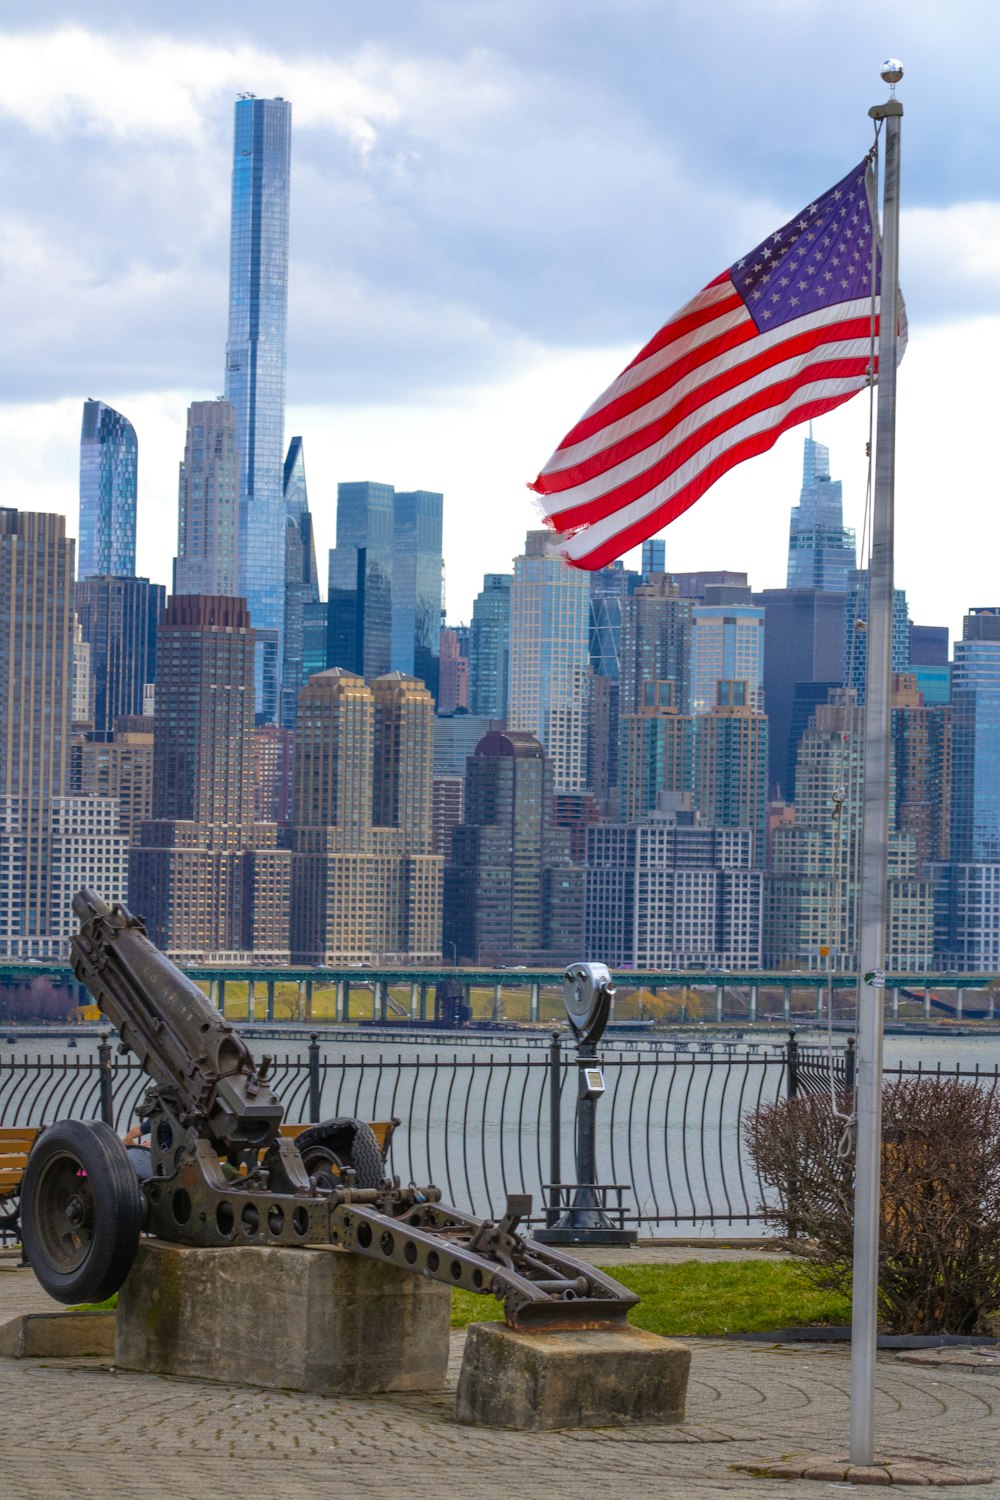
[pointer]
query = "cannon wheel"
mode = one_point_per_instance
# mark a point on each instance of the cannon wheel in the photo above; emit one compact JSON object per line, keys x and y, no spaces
{"x":341,"y":1143}
{"x":81,"y":1211}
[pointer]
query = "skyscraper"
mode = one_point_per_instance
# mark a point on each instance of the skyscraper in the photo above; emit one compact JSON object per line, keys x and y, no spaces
{"x":359,"y":638}
{"x":208,"y":513}
{"x":209,"y":880}
{"x":48,"y":839}
{"x":364,"y":889}
{"x":654,"y":557}
{"x":511,"y":893}
{"x":820,"y":547}
{"x":803,"y":644}
{"x":301,"y":580}
{"x":727,"y":644}
{"x":255,"y":370}
{"x":416,"y":584}
{"x":119,"y":618}
{"x":730,"y":765}
{"x":550,"y":658}
{"x":489,"y":647}
{"x":109,"y":456}
{"x":655,"y":643}
{"x":975,"y":828}
{"x":855,"y":668}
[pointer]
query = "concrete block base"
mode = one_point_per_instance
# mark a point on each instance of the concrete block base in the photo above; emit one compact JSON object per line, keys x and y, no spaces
{"x":312,"y":1319}
{"x":68,"y":1335}
{"x":570,"y":1378}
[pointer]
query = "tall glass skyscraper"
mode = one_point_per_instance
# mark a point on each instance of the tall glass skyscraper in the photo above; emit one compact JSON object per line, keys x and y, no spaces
{"x":255,"y":371}
{"x":360,"y":601}
{"x":208,"y":503}
{"x":109,"y":456}
{"x":975,"y":830}
{"x":417,"y":574}
{"x":820,"y":547}
{"x":301,"y":580}
{"x":489,"y":647}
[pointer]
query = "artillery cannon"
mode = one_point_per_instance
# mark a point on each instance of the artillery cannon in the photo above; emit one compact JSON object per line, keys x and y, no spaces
{"x":220,"y":1173}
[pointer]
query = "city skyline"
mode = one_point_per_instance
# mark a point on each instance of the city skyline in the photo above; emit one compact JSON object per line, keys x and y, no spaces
{"x":423,"y":330}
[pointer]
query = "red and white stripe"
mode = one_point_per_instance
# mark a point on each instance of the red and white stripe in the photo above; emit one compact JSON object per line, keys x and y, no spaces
{"x":707,"y":392}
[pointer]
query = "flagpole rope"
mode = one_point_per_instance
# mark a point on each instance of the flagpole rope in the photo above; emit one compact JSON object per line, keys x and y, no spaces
{"x":838,"y":941}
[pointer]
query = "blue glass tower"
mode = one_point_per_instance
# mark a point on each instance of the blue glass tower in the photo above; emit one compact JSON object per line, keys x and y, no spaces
{"x":489,"y":647}
{"x":359,"y":637}
{"x":417,"y":572}
{"x":255,"y":371}
{"x":975,"y":768}
{"x":109,"y":457}
{"x":820,"y":547}
{"x":301,"y":581}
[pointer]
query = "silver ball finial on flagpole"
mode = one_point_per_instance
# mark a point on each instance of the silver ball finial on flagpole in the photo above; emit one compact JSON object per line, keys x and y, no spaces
{"x":891,"y":72}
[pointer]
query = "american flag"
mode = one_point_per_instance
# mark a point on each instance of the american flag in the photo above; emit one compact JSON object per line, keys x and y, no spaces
{"x":784,"y":335}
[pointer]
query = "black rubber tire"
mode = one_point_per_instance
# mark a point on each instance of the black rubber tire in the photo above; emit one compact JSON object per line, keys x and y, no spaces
{"x":336,"y":1144}
{"x":81,"y":1211}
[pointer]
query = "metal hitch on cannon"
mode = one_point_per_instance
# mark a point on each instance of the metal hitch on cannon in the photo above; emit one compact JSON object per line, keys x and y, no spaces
{"x":219,"y":1172}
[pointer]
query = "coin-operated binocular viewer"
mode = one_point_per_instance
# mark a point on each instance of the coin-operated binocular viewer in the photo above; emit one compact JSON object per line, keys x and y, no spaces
{"x":585,"y":1212}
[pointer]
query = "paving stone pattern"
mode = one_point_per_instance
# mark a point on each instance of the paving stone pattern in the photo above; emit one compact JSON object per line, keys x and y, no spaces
{"x":79,"y":1430}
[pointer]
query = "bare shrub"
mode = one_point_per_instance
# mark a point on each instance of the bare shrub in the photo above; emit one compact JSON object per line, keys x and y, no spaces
{"x":939,"y":1253}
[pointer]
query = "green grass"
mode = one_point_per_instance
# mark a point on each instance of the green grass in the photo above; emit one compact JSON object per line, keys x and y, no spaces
{"x":108,"y":1305}
{"x":697,"y":1297}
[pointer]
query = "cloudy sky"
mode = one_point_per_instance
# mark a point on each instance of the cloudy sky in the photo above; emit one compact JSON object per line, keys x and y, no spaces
{"x":494,"y":204}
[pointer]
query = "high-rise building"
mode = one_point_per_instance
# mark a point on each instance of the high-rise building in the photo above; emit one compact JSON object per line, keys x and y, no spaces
{"x":512,"y":894}
{"x":417,"y":580}
{"x":447,"y":801}
{"x":550,"y":658}
{"x":821,"y":550}
{"x":455,"y":739}
{"x":119,"y":765}
{"x":210,"y":881}
{"x":364,"y":890}
{"x":929,"y":662}
{"x":654,"y":557}
{"x":119,"y":618}
{"x":656,"y":756}
{"x":453,"y":686}
{"x":301,"y":586}
{"x":813,"y":890}
{"x":109,"y":456}
{"x":693,"y":585}
{"x":730,"y":765}
{"x":489,"y":647}
{"x":48,"y":838}
{"x":727,"y":644}
{"x":83,"y":680}
{"x":609,"y":587}
{"x":208,"y":513}
{"x":273,"y":773}
{"x":855,"y":659}
{"x":803,"y":644}
{"x":359,"y":638}
{"x":255,"y":370}
{"x":655,"y":643}
{"x":668,"y":893}
{"x":921,"y":744}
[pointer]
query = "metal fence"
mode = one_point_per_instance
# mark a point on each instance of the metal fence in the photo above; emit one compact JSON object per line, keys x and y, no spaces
{"x":480,"y":1125}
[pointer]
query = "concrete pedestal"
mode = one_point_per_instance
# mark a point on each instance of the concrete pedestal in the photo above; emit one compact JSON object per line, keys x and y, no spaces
{"x":316,"y":1319}
{"x":573,"y":1378}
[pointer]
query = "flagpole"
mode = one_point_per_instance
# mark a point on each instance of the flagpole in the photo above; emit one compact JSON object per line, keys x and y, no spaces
{"x":875,"y":837}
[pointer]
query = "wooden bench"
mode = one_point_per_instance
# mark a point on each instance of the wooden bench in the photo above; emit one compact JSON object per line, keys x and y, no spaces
{"x":15,"y":1144}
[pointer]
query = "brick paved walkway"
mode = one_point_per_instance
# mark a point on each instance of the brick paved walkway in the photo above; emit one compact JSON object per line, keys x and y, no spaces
{"x":78,"y":1430}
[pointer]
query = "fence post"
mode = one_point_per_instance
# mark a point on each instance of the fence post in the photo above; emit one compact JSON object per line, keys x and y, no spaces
{"x":555,"y":1128}
{"x":849,"y":1061}
{"x":314,"y":1077}
{"x":104,"y":1067}
{"x":792,"y":1060}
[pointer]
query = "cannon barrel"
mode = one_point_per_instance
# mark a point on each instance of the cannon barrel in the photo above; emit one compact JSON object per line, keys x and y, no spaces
{"x":201,"y":1065}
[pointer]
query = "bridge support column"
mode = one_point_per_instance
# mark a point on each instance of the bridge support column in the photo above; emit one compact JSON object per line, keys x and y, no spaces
{"x":270,"y":999}
{"x":497,"y":1003}
{"x":753,"y":1002}
{"x":414,"y":999}
{"x":786,"y":1003}
{"x":213,"y":993}
{"x":927,"y":1002}
{"x":221,"y":992}
{"x":300,"y":1002}
{"x":959,"y":997}
{"x":380,"y":993}
{"x":720,"y":999}
{"x":895,"y":1001}
{"x":991,"y":1006}
{"x":423,"y":1002}
{"x":534,"y":1004}
{"x":250,"y":1001}
{"x":343,"y":1007}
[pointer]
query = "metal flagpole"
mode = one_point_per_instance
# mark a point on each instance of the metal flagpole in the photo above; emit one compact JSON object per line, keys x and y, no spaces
{"x":875,"y":837}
